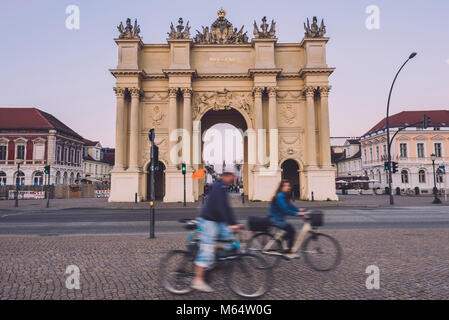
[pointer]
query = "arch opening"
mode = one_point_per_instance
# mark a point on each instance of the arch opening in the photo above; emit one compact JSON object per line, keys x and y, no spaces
{"x":290,"y":172}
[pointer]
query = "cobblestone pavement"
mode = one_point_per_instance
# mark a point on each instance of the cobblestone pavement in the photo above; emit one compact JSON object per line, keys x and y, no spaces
{"x":413,"y":265}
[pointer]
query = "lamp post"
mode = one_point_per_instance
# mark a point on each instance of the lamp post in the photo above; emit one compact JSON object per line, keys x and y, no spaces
{"x":19,"y":162}
{"x":387,"y":120}
{"x":436,"y":200}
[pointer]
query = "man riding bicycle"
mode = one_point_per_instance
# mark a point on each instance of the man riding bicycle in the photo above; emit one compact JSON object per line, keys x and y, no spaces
{"x":281,"y":206}
{"x":216,"y":221}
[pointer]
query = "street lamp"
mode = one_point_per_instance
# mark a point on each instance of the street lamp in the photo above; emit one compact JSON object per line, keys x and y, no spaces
{"x":19,"y":162}
{"x":387,"y":119}
{"x":436,"y":200}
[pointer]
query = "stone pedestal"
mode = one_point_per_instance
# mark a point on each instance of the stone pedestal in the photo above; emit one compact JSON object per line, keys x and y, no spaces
{"x":267,"y":182}
{"x":125,"y":185}
{"x":174,"y":186}
{"x":320,"y":181}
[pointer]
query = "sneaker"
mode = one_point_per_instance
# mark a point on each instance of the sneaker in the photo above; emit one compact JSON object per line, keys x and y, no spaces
{"x":201,"y":286}
{"x":292,"y":256}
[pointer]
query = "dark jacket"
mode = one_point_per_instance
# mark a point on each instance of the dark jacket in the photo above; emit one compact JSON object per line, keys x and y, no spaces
{"x":280,"y":208}
{"x":217,"y":206}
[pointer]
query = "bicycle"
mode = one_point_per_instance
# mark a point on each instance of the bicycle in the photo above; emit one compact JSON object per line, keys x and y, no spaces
{"x":314,"y":246}
{"x":245,"y":273}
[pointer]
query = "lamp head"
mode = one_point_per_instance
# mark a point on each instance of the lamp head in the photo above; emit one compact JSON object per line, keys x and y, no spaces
{"x":413,"y":55}
{"x":433,"y":156}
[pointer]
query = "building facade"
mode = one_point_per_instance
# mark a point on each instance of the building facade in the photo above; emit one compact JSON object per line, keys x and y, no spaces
{"x":276,"y":93}
{"x":96,"y":168}
{"x":411,"y":148}
{"x":349,"y":163}
{"x":35,"y":139}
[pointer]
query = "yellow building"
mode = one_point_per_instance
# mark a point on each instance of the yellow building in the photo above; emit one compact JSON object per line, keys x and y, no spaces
{"x":412,"y":149}
{"x":276,"y":93}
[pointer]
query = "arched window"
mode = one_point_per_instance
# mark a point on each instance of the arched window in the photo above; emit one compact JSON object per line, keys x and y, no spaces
{"x":38,"y":178}
{"x":58,"y":178}
{"x":439,"y":178}
{"x":422,"y":176}
{"x":72,"y":178}
{"x":404,"y":176}
{"x":2,"y":178}
{"x":19,"y":178}
{"x":64,"y":179}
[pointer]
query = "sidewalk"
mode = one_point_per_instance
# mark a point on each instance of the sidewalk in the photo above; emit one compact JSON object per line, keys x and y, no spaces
{"x":363,"y":201}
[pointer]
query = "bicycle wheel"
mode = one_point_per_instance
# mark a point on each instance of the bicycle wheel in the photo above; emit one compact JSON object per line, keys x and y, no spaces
{"x":321,"y":252}
{"x":247,"y":278}
{"x":256,"y":245}
{"x":176,"y":272}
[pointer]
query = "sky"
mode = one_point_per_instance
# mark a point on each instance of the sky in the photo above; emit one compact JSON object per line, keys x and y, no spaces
{"x":65,"y":72}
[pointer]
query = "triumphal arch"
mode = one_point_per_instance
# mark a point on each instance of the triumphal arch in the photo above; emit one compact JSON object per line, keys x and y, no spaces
{"x":276,"y":93}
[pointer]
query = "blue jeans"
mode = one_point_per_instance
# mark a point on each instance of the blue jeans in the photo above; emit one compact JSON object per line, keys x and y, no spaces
{"x":210,"y":231}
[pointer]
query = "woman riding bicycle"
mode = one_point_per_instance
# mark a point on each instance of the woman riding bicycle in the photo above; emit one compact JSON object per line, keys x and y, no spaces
{"x":280,"y":207}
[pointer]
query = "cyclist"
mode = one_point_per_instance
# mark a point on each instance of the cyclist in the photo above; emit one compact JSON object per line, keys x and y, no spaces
{"x":280,"y":207}
{"x":216,"y":221}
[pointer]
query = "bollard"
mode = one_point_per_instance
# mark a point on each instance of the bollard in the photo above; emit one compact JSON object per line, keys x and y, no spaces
{"x":135,"y":198}
{"x":312,"y":197}
{"x":243,"y":197}
{"x":202,"y":199}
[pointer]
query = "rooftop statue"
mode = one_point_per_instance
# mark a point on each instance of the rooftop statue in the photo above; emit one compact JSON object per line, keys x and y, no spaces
{"x":180,"y":32}
{"x":264,"y":33}
{"x":129,"y":32}
{"x":313,"y":31}
{"x":221,"y":32}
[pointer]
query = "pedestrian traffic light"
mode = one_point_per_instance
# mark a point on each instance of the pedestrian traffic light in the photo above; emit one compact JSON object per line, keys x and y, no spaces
{"x":426,"y":122}
{"x":184,"y":168}
{"x":386,"y":166}
{"x":47,"y":170}
{"x":394,"y":166}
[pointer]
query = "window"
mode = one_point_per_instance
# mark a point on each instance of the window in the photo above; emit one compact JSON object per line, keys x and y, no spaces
{"x":3,"y":153}
{"x":39,"y":150}
{"x":371,"y":154}
{"x":403,"y":150}
{"x":437,"y":147}
{"x":2,"y":178}
{"x":377,"y":153}
{"x":66,"y":154}
{"x":364,"y":152}
{"x":420,"y":150}
{"x":58,"y":154}
{"x":404,"y":176}
{"x":38,"y":179}
{"x":20,"y":152}
{"x":422,"y":176}
{"x":385,"y":151}
{"x":20,"y":178}
{"x":439,"y":178}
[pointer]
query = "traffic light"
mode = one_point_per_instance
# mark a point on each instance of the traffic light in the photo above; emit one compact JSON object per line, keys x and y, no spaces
{"x":155,"y":158}
{"x":394,"y":166}
{"x":426,"y":122}
{"x":47,"y":170}
{"x":184,"y":169}
{"x":387,"y":168}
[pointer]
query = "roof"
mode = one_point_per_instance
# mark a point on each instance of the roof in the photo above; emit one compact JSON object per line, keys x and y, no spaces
{"x":90,"y":143}
{"x":32,"y":119}
{"x":437,"y":118}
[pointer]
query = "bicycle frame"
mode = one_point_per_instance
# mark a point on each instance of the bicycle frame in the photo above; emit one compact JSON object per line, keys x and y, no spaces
{"x":306,"y":228}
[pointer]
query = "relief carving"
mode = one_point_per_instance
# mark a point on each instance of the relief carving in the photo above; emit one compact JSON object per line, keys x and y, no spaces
{"x":288,"y":113}
{"x":157,"y":116}
{"x":290,"y":147}
{"x":222,"y":100}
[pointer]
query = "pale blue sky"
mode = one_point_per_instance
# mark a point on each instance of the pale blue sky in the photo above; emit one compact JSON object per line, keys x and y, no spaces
{"x":66,"y":72}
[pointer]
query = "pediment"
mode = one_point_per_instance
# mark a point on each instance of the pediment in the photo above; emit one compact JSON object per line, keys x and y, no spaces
{"x":403,"y":138}
{"x":437,"y":137}
{"x":420,"y":138}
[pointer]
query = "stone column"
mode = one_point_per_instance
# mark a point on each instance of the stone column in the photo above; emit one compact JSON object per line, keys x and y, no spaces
{"x":311,"y":134}
{"x":324,"y":130}
{"x":258,"y":123}
{"x":273,"y":125}
{"x":119,"y":129}
{"x":134,"y":129}
{"x":187,"y":125}
{"x":51,"y":148}
{"x":172,"y":121}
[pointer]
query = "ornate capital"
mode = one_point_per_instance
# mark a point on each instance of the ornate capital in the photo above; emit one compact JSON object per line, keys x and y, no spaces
{"x":272,"y":91}
{"x":324,"y":91}
{"x":172,"y":92}
{"x":309,"y":91}
{"x":186,"y":92}
{"x":135,"y":92}
{"x":119,"y":92}
{"x":257,"y":91}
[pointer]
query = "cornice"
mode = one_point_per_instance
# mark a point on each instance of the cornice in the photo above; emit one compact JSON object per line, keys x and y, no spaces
{"x":128,"y":72}
{"x":265,"y":71}
{"x":168,"y":72}
{"x":306,"y":71}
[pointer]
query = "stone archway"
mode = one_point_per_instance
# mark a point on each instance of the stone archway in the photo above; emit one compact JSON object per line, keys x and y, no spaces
{"x":235,"y":118}
{"x":290,"y":172}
